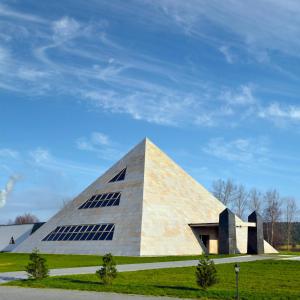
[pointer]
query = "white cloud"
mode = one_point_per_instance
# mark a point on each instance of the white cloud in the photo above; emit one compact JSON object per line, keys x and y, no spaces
{"x":100,"y":144}
{"x":40,"y":155}
{"x":96,"y":139}
{"x":281,"y":114}
{"x":30,"y":74}
{"x":242,"y":96}
{"x":164,"y":109}
{"x":240,"y":150}
{"x":100,"y":138}
{"x":65,"y":28}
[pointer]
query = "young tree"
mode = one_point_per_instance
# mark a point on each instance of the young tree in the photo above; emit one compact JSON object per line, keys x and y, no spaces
{"x":272,"y":212}
{"x":206,"y":273}
{"x":26,"y":219}
{"x":37,"y":267}
{"x":108,"y":271}
{"x":255,"y":200}
{"x":290,"y":213}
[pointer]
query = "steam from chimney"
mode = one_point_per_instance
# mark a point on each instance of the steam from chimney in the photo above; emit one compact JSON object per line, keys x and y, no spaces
{"x":7,"y":190}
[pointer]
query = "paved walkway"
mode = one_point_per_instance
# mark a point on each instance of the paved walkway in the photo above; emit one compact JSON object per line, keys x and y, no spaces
{"x":13,"y":293}
{"x":9,"y":276}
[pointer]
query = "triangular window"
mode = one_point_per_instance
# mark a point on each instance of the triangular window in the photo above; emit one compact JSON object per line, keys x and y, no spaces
{"x":120,"y":176}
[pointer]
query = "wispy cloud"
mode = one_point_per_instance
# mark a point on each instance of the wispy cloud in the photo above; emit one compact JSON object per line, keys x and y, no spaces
{"x":225,"y":50}
{"x":117,"y":78}
{"x":6,"y":11}
{"x":242,"y":96}
{"x":43,"y":158}
{"x":100,"y":144}
{"x":238,"y":150}
{"x":6,"y":152}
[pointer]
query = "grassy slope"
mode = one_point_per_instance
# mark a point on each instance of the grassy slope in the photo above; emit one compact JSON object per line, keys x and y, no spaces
{"x":258,"y":280}
{"x":18,"y":261}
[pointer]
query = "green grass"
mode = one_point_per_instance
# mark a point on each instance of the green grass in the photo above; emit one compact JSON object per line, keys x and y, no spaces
{"x":18,"y":261}
{"x":266,"y":280}
{"x":296,"y":253}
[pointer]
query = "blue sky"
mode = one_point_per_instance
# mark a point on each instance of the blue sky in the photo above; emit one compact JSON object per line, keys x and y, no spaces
{"x":215,"y":84}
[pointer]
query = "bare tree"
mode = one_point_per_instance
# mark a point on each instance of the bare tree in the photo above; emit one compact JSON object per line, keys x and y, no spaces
{"x":272,"y":212}
{"x":255,"y":200}
{"x":290,"y":214}
{"x":240,"y":201}
{"x":26,"y":219}
{"x":224,"y":190}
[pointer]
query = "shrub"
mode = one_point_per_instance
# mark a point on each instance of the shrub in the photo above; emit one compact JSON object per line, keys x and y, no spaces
{"x":108,"y":271}
{"x":37,"y":267}
{"x":206,"y":273}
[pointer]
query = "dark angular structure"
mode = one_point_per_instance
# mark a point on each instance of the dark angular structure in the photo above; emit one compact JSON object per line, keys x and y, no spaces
{"x":255,"y":234}
{"x":227,"y":232}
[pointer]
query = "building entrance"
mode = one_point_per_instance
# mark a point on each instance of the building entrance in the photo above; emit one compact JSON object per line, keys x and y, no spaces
{"x":205,"y":240}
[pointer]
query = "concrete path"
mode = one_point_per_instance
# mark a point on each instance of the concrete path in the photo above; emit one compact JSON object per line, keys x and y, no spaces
{"x":9,"y":276}
{"x":13,"y":293}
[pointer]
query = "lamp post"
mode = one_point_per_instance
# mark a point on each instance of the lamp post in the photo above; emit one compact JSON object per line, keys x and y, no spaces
{"x":237,"y":270}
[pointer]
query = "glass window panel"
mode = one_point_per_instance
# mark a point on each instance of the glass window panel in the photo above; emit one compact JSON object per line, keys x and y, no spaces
{"x":103,"y":226}
{"x":84,"y":236}
{"x":98,"y":204}
{"x":90,"y":227}
{"x":110,"y":236}
{"x":61,"y":229}
{"x":83,"y":228}
{"x":72,"y":236}
{"x":78,"y":236}
{"x":90,"y":236}
{"x":81,"y":232}
{"x":60,"y":238}
{"x":105,"y":203}
{"x":66,"y":237}
{"x":96,"y":236}
{"x":96,"y":228}
{"x":109,"y":227}
{"x":103,"y":236}
{"x":93,"y":204}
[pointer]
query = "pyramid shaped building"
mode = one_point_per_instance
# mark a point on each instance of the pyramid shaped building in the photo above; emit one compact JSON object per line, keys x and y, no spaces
{"x":143,"y":205}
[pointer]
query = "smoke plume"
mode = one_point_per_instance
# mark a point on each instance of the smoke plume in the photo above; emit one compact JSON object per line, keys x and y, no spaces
{"x":7,"y":190}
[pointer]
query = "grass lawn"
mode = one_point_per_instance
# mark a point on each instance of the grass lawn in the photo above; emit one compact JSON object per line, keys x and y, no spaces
{"x":296,"y":253}
{"x":18,"y":261}
{"x":269,"y":279}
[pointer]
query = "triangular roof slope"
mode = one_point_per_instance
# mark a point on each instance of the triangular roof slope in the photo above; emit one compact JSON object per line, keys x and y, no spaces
{"x":126,"y":216}
{"x":172,"y":200}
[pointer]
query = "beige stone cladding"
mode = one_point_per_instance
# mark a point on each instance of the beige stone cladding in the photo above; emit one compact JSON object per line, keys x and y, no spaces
{"x":173,"y":200}
{"x":158,"y":202}
{"x":126,"y":216}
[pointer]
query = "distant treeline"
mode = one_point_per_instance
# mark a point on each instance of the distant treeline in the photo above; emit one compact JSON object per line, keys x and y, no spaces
{"x":280,"y":234}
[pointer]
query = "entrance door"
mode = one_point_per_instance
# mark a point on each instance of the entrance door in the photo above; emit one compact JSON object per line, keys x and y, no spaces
{"x":205,"y":241}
